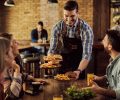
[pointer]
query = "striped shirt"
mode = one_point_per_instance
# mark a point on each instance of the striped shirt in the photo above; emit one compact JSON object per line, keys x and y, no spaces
{"x":80,"y":30}
{"x":12,"y":83}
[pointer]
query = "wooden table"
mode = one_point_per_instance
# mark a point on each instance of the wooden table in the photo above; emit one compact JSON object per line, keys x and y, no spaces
{"x":31,"y":44}
{"x":23,"y":47}
{"x":54,"y":88}
{"x":41,"y":44}
{"x":57,"y":88}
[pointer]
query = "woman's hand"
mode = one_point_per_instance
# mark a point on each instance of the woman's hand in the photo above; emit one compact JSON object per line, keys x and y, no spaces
{"x":16,"y":67}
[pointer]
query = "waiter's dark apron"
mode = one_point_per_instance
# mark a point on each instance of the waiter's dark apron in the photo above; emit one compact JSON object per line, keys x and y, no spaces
{"x":72,"y":55}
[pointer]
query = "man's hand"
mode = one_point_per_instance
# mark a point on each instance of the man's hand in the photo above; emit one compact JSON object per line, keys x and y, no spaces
{"x":70,"y":74}
{"x":73,"y":75}
{"x":95,"y":88}
{"x":40,"y":40}
{"x":77,"y":74}
{"x":98,"y":78}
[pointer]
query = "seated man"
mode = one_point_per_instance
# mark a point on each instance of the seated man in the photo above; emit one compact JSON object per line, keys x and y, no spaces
{"x":111,"y":44}
{"x":39,"y":33}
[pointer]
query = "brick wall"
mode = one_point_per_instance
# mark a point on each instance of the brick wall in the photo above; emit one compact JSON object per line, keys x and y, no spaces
{"x":23,"y":17}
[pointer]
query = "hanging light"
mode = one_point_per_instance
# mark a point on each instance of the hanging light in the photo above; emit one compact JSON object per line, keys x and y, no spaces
{"x":52,"y":1}
{"x":9,"y":3}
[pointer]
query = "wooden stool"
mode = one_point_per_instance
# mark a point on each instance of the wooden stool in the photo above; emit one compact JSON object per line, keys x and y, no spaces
{"x":31,"y":65}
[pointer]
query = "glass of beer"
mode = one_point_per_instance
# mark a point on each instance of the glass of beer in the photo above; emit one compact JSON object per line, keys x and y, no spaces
{"x":58,"y":97}
{"x":90,"y":78}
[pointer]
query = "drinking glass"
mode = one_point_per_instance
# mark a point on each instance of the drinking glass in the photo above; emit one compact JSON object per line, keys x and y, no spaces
{"x":90,"y":78}
{"x":58,"y":97}
{"x":44,"y":40}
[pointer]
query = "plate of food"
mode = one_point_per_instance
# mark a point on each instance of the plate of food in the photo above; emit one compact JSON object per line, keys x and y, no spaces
{"x":52,"y":57}
{"x":48,"y":65}
{"x":62,"y":77}
{"x":54,"y":62}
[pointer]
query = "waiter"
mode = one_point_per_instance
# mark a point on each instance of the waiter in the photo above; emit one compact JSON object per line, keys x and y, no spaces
{"x":73,"y":39}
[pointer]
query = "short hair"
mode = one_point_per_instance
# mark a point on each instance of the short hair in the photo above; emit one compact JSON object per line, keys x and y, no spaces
{"x":40,"y":23}
{"x":114,"y":39}
{"x":71,"y":5}
{"x":6,"y":35}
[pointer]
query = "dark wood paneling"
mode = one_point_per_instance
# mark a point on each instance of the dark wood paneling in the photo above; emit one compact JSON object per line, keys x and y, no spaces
{"x":101,"y":18}
{"x":2,"y":2}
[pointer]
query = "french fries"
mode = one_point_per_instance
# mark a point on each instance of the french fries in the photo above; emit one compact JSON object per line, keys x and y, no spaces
{"x":52,"y":57}
{"x":61,"y":77}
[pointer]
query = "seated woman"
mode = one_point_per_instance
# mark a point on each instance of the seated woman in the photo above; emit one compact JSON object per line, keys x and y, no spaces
{"x":12,"y":81}
{"x":15,"y":51}
{"x":4,"y":51}
{"x":16,"y":54}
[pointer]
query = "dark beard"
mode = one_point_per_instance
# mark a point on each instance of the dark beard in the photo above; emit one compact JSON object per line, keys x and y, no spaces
{"x":106,"y":50}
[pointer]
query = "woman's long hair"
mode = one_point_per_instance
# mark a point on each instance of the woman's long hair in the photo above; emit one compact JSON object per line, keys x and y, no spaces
{"x":4,"y":49}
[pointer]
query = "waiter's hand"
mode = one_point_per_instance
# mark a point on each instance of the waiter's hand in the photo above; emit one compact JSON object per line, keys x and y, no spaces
{"x":72,"y":75}
{"x":77,"y":74}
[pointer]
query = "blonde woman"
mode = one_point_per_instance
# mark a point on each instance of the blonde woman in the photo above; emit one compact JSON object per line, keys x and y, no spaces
{"x":4,"y":50}
{"x":12,"y":78}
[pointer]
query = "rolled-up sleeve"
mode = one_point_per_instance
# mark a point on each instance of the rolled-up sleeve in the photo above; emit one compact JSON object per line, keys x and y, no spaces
{"x":54,"y":40}
{"x":87,"y":42}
